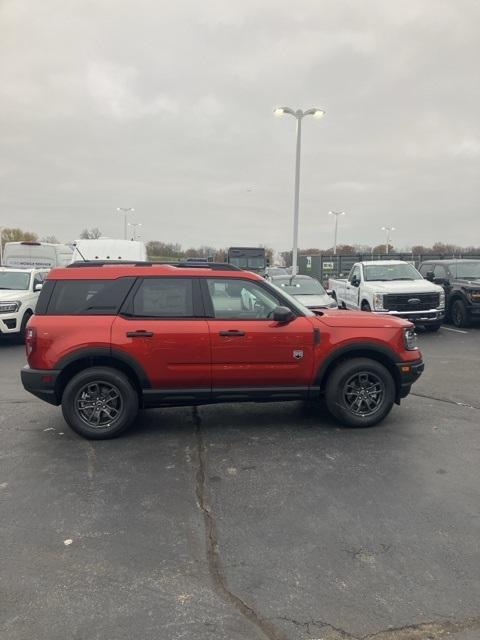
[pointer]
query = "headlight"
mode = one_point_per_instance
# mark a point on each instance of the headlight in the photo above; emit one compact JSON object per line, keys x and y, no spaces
{"x":10,"y":307}
{"x":410,"y":339}
{"x":378,"y":301}
{"x":442,"y":300}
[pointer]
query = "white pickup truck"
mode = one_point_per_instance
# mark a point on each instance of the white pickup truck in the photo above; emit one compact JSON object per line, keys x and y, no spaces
{"x":394,"y":287}
{"x":19,"y":291}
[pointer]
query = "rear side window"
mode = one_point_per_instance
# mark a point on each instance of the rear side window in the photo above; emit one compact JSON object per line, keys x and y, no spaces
{"x":88,"y":297}
{"x":164,"y":298}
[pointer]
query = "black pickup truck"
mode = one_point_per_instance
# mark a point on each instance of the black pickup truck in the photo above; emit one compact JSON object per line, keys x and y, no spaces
{"x":461,"y":281}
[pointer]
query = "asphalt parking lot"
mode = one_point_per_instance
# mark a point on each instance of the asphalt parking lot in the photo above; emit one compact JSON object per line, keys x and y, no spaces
{"x":247,"y":521}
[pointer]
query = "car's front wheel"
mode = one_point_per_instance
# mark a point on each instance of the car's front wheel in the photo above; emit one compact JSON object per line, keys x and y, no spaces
{"x":459,"y":314}
{"x":99,"y":403}
{"x":360,"y":392}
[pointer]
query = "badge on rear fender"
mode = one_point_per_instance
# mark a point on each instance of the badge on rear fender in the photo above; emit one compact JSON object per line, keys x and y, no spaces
{"x":298,"y":354}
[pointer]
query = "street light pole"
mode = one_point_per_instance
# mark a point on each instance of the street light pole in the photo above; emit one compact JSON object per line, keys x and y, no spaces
{"x":1,"y":246}
{"x":125,"y":211}
{"x":299,"y":115}
{"x":387,"y":230}
{"x":134,"y":225}
{"x":336,"y":214}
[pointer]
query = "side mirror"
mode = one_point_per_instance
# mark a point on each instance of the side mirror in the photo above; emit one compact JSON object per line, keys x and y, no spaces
{"x":329,"y":292}
{"x":283,"y":314}
{"x":37,"y":287}
{"x":355,"y":282}
{"x":429,"y":276}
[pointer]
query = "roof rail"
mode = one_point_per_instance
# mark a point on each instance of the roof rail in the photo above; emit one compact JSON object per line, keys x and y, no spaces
{"x":215,"y":266}
{"x":102,"y":263}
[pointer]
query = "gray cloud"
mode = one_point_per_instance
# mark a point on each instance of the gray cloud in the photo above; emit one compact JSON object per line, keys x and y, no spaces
{"x":168,"y":108}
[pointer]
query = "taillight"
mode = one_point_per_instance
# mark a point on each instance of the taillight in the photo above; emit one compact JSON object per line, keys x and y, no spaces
{"x":30,"y":340}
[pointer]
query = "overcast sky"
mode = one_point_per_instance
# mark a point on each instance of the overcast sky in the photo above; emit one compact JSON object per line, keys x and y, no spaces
{"x":167,"y":107}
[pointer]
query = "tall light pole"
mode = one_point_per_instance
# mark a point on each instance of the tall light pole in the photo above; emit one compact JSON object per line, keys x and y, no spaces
{"x":134,"y":225}
{"x":336,"y":214}
{"x":298,"y":115}
{"x":1,"y":246}
{"x":125,"y":211}
{"x":387,"y":231}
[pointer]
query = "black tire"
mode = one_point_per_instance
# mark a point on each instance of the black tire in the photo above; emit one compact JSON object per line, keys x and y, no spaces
{"x":366,"y":306}
{"x":362,"y":381}
{"x":459,"y":314}
{"x":92,"y":396}
{"x":432,"y":328}
{"x":23,"y":327}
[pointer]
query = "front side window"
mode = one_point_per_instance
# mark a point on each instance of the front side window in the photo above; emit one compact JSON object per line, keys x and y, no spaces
{"x":164,"y":298}
{"x":240,"y":299}
{"x":440,"y":271}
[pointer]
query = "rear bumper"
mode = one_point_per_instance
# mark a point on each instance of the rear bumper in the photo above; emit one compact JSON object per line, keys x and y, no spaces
{"x":409,"y":373}
{"x":41,"y":383}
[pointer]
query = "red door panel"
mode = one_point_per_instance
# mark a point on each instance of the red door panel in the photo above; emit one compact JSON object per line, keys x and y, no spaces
{"x":264,"y":353}
{"x":175,"y":356}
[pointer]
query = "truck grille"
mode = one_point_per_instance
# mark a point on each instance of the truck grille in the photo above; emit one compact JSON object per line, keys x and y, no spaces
{"x":411,"y":301}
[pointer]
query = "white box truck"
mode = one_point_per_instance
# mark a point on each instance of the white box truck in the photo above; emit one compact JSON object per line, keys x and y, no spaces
{"x":108,"y":249}
{"x":36,"y":255}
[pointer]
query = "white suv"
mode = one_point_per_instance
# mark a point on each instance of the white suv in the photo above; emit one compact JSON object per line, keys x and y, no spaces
{"x":19,"y":291}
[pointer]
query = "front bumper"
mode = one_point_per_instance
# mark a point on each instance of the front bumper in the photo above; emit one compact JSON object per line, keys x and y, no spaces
{"x":473,"y":311}
{"x":41,"y":383}
{"x":409,"y":373}
{"x":431,"y":316}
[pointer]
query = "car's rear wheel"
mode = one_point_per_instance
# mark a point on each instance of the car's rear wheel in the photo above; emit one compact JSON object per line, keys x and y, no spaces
{"x":360,"y":392}
{"x":459,"y":314}
{"x":99,"y":403}
{"x":366,"y":306}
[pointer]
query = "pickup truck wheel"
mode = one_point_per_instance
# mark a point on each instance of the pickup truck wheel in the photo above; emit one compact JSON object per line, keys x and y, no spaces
{"x":360,"y":392}
{"x":99,"y":403}
{"x":366,"y":306}
{"x":459,"y":314}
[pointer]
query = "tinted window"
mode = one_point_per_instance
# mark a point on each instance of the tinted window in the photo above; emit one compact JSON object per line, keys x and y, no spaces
{"x":425,"y":268}
{"x":240,"y":299}
{"x":164,"y":298}
{"x":88,"y":297}
{"x":440,"y":271}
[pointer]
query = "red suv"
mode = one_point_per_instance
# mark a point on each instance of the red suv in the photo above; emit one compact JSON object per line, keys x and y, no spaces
{"x":108,"y":339}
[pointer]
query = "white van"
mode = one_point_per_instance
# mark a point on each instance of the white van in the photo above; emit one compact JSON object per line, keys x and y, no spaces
{"x":36,"y":255}
{"x":109,"y":249}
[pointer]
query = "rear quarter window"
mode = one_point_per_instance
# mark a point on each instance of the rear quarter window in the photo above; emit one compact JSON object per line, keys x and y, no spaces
{"x":84,"y":297}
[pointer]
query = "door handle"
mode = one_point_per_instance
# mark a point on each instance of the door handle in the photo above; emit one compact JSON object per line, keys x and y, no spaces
{"x":232,"y":333}
{"x":141,"y":333}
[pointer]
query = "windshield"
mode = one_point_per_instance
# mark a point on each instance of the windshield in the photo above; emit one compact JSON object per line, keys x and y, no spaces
{"x":300,"y":286}
{"x":292,"y":301}
{"x":467,"y":270}
{"x":387,"y":272}
{"x":14,"y":280}
{"x":248,"y":262}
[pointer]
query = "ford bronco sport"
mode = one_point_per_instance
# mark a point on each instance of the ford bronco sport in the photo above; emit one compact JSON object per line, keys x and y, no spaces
{"x":108,"y":339}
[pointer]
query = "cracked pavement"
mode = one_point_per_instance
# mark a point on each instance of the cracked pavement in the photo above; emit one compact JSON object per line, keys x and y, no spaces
{"x":247,"y":521}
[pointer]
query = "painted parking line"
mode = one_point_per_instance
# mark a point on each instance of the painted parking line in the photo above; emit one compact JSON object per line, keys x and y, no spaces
{"x":454,"y":330}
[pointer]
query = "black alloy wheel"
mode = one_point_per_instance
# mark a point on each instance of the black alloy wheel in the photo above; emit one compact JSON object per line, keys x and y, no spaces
{"x":99,"y":403}
{"x":360,"y":392}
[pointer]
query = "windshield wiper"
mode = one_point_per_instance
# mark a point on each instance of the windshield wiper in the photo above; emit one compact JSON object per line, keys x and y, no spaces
{"x":404,"y":278}
{"x":7,"y":288}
